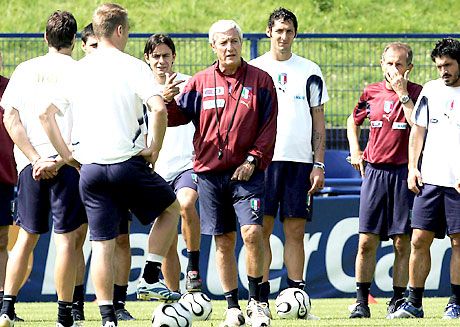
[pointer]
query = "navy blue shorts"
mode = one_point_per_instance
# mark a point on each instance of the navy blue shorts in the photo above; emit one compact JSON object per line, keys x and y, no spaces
{"x":6,"y":204}
{"x":59,"y":195}
{"x":385,"y":201}
{"x":223,"y":201}
{"x":437,"y":209}
{"x":126,"y":219}
{"x":287,"y":184}
{"x":187,"y":178}
{"x":109,"y":191}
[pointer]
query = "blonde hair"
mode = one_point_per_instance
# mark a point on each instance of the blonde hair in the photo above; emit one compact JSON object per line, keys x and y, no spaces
{"x":107,"y":18}
{"x":399,"y":45}
{"x":222,"y":26}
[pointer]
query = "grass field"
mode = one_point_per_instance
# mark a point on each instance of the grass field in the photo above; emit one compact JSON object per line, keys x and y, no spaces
{"x":333,"y":312}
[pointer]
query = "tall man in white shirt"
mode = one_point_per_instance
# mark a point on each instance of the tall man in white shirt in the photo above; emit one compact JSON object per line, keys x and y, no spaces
{"x":45,"y":183}
{"x":110,"y":149}
{"x":297,"y":169}
{"x":175,"y":163}
{"x":436,"y":210}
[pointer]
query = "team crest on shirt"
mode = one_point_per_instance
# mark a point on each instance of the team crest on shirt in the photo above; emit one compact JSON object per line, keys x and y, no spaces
{"x":282,"y":78}
{"x":255,"y":204}
{"x":246,"y":92}
{"x":388,"y":106}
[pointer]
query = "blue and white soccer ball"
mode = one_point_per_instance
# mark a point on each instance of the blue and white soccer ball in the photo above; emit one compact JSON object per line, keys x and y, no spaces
{"x":171,"y":315}
{"x":198,"y":304}
{"x":293,"y":303}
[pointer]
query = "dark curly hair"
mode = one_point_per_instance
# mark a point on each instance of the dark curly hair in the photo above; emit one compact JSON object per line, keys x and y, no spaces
{"x":284,"y":15}
{"x":446,"y":47}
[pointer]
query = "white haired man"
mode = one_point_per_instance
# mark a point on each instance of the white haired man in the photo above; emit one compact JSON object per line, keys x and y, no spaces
{"x":233,"y":106}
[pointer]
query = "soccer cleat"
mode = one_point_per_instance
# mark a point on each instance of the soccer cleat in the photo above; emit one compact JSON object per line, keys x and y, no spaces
{"x":258,"y":314}
{"x":452,"y":311}
{"x":193,"y":282}
{"x":156,"y":291}
{"x":123,"y":314}
{"x":360,"y":310}
{"x":407,"y":310}
{"x":6,"y":321}
{"x":78,"y":315}
{"x":233,"y":318}
{"x":110,"y":324}
{"x":393,"y":305}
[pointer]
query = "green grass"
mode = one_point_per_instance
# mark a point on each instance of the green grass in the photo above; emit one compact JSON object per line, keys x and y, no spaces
{"x":333,"y":312}
{"x":315,"y":16}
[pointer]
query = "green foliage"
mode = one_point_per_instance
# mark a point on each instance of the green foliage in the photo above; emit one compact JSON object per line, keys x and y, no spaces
{"x":333,"y":312}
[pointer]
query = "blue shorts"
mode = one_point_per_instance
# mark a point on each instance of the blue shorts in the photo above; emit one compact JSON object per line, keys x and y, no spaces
{"x":287,"y":184}
{"x":126,"y":219}
{"x":437,"y":209}
{"x":187,"y":178}
{"x":223,"y":201}
{"x":6,"y":204}
{"x":59,"y":195}
{"x":109,"y":191}
{"x":385,"y":201}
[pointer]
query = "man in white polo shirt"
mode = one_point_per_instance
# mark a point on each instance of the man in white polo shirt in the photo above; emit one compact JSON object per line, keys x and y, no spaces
{"x":436,"y":132}
{"x":109,"y":145}
{"x":297,"y":169}
{"x":45,"y":183}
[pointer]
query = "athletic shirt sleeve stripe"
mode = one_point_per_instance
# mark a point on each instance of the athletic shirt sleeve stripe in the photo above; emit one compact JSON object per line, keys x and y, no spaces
{"x":314,"y":88}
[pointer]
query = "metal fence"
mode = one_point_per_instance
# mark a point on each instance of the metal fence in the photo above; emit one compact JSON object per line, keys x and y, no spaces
{"x":348,"y":61}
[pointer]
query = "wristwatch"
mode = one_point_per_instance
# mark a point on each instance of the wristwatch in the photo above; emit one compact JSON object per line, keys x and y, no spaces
{"x":404,"y":99}
{"x":251,"y":159}
{"x":319,"y":165}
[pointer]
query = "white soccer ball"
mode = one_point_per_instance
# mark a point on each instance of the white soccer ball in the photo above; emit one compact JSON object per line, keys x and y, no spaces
{"x":198,"y":304}
{"x":171,"y":315}
{"x":293,"y":303}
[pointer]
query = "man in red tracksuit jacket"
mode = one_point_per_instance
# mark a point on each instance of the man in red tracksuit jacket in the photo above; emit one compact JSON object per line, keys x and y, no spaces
{"x":233,"y":106}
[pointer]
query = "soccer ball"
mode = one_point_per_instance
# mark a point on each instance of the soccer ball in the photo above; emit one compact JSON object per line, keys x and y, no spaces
{"x":171,"y":315}
{"x":199,"y":305}
{"x":293,"y":303}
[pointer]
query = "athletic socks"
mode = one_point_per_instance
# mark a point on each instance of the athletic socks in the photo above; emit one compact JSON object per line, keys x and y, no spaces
{"x":254,"y":287}
{"x":455,"y":297}
{"x":232,"y":298}
{"x":65,"y":313}
{"x":416,"y":296}
{"x":152,"y":268}
{"x":296,"y":283}
{"x":398,"y":292}
{"x":362,"y":293}
{"x":107,"y":313}
{"x":119,"y":296}
{"x":78,"y":297}
{"x":8,"y":305}
{"x":264,"y":292}
{"x":193,"y":261}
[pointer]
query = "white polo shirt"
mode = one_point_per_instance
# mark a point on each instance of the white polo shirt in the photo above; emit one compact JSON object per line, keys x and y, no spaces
{"x":299,"y":86}
{"x":106,"y":93}
{"x":177,"y":152}
{"x":438,"y":107}
{"x":30,"y":90}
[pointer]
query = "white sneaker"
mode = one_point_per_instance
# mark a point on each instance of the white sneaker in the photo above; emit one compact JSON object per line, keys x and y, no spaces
{"x":156,"y":291}
{"x":233,"y":318}
{"x":5,"y":321}
{"x":258,"y":314}
{"x":110,"y":324}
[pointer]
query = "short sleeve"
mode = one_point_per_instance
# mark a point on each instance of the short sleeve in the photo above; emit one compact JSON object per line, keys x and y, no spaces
{"x":361,"y":110}
{"x":420,"y":112}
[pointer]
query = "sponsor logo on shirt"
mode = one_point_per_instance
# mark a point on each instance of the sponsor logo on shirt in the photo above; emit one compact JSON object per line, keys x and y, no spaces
{"x":211,"y":104}
{"x":376,"y":124}
{"x":433,"y":120}
{"x":299,"y":97}
{"x":397,"y":125}
{"x":211,"y":91}
{"x":388,"y":106}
